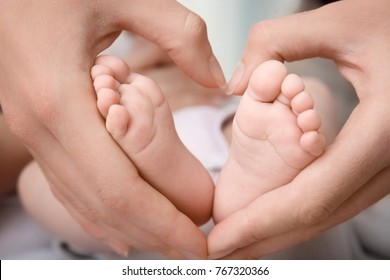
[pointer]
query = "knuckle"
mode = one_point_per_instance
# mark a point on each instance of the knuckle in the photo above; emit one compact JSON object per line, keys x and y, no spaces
{"x":253,"y":233}
{"x":311,"y":214}
{"x":259,"y":33}
{"x":165,"y":233}
{"x":194,"y":26}
{"x":192,"y":33}
{"x":261,"y":38}
{"x":113,"y":200}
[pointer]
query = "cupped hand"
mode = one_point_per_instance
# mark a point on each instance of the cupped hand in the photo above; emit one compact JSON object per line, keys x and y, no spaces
{"x":47,"y":49}
{"x":354,"y":172}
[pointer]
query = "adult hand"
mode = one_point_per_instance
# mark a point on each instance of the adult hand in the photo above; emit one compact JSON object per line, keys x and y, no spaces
{"x":145,"y":55}
{"x":354,"y":172}
{"x":47,"y":49}
{"x":179,"y":90}
{"x":14,"y":156}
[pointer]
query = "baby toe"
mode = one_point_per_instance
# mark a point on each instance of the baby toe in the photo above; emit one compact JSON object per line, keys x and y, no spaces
{"x":266,"y":80}
{"x":105,"y":81}
{"x":117,"y":122}
{"x":292,"y":85}
{"x":120,"y":68}
{"x":302,"y":102}
{"x":98,"y":70}
{"x":313,"y":142}
{"x":106,"y":97}
{"x":309,"y":120}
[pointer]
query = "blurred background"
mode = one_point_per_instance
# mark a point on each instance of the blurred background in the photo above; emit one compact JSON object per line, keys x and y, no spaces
{"x":228,"y":23}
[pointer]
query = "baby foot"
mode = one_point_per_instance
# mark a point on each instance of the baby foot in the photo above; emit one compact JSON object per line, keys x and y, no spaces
{"x":140,"y":121}
{"x":274,"y":136}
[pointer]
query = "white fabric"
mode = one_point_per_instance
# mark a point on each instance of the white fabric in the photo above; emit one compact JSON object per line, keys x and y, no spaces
{"x":200,"y":129}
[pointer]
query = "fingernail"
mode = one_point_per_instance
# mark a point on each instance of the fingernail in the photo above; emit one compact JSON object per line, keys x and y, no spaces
{"x":119,"y":249}
{"x":216,"y":71}
{"x":235,"y":80}
{"x":220,"y":254}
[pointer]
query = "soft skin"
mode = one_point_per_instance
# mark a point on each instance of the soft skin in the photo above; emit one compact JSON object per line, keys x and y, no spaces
{"x":354,"y":172}
{"x":47,"y":50}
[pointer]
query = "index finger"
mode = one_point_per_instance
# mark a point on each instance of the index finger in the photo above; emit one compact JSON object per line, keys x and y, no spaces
{"x":316,"y":33}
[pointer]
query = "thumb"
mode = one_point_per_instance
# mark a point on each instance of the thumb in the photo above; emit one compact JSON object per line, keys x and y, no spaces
{"x":178,"y":31}
{"x":316,"y":33}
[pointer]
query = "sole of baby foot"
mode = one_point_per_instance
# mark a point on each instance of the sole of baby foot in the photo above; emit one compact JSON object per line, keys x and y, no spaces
{"x":274,"y":136}
{"x":140,"y":121}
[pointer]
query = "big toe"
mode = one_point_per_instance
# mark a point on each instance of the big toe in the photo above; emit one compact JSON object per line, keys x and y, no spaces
{"x":119,"y":68}
{"x":266,"y":80}
{"x":117,"y":122}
